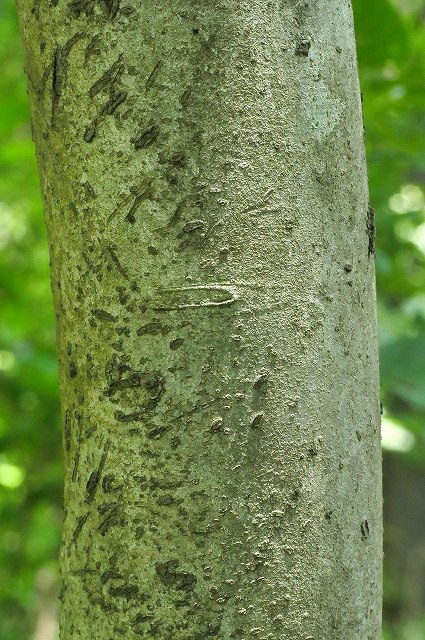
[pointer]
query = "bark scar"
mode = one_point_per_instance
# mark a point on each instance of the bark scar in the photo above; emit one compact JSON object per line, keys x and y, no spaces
{"x":228,"y":293}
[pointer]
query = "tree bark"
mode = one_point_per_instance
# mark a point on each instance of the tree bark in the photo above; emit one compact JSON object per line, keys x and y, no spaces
{"x":211,"y":242}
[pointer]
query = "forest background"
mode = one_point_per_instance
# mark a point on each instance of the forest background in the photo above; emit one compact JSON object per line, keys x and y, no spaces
{"x":391,"y":51}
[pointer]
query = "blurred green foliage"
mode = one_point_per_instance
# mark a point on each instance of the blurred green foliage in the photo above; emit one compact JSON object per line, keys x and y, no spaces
{"x":30,"y":435}
{"x":391,"y":49}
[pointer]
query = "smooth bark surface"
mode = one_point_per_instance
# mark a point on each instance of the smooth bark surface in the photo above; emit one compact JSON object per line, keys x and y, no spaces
{"x":203,"y":172}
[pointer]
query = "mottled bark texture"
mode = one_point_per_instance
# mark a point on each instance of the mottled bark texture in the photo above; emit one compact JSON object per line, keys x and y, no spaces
{"x":203,"y":172}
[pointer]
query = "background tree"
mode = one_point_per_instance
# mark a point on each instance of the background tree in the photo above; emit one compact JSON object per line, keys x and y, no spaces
{"x":30,"y":473}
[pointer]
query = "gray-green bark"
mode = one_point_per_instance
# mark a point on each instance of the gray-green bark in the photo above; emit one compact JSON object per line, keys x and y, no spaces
{"x":203,"y":172}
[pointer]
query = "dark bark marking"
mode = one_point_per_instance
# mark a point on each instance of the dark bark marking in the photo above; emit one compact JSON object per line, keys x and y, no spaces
{"x":109,"y":77}
{"x":153,"y":328}
{"x":101,"y":314}
{"x":261,"y":380}
{"x":124,"y":298}
{"x":94,"y":478}
{"x":59,"y":68}
{"x":73,"y":371}
{"x":90,"y":192}
{"x":129,"y":417}
{"x":133,"y":382}
{"x":75,"y":468}
{"x":36,"y":9}
{"x":127,"y":11}
{"x":364,"y":527}
{"x":371,"y":231}
{"x":56,"y":82}
{"x":79,"y":420}
{"x":216,"y":425}
{"x":147,"y":137}
{"x":91,"y":129}
{"x":110,"y":521}
{"x":193,"y":225}
{"x":178,"y":159}
{"x":115,"y":99}
{"x":92,"y":48}
{"x":67,"y":430}
{"x":91,"y":486}
{"x":141,"y":192}
{"x":77,"y":7}
{"x":130,"y":217}
{"x":127,"y":591}
{"x":180,"y":580}
{"x":303,"y":47}
{"x":114,"y":102}
{"x":117,"y":263}
{"x":140,"y":619}
{"x":165,"y":501}
{"x":80,"y":524}
{"x":177,"y":213}
{"x":185,"y":97}
{"x":157,"y":432}
{"x":153,"y":76}
{"x":313,"y":451}
{"x":257,"y":421}
{"x":110,"y":575}
{"x":108,"y":483}
{"x":111,"y":7}
{"x":154,"y":388}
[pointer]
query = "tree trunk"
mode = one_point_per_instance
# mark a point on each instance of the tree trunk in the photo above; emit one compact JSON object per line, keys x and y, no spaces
{"x":203,"y":173}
